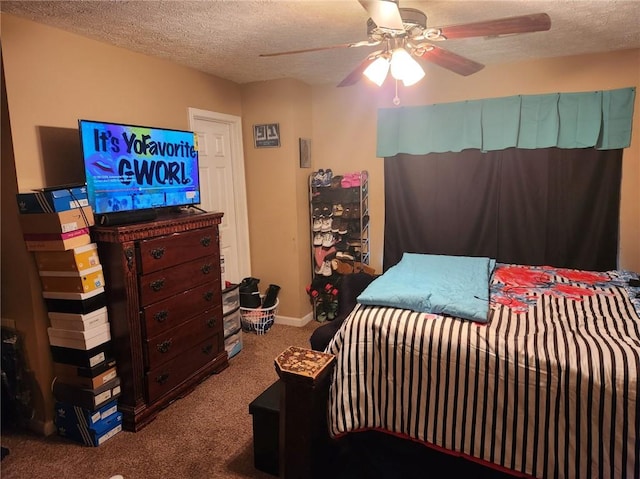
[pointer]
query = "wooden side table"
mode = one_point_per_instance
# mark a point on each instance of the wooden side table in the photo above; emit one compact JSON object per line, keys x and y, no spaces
{"x":304,"y":437}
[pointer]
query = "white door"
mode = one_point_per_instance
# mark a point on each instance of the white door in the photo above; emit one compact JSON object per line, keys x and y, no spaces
{"x":223,"y":185}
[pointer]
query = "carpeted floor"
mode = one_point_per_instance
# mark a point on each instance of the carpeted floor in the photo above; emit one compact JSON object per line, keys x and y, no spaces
{"x":207,"y":434}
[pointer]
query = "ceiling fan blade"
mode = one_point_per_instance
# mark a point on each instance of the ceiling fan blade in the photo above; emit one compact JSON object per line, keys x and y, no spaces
{"x":504,"y":26}
{"x":451,"y":61}
{"x":355,"y":75}
{"x":384,"y":13}
{"x":317,"y":49}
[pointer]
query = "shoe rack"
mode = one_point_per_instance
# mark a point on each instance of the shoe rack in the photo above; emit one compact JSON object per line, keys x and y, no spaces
{"x":339,"y":222}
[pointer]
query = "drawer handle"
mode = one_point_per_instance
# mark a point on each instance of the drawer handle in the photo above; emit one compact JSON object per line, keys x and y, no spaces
{"x":160,"y":316}
{"x":207,"y":349}
{"x":162,"y":378}
{"x":211,"y":322}
{"x":164,"y":346}
{"x":157,"y":285}
{"x":208,"y":296}
{"x":205,"y":241}
{"x":206,"y":268}
{"x":157,"y":253}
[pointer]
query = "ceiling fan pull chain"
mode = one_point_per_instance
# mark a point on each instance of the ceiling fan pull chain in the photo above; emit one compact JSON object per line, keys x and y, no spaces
{"x":396,"y":99}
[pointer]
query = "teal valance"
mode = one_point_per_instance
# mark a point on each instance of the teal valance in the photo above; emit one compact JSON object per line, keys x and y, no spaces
{"x":600,"y":119}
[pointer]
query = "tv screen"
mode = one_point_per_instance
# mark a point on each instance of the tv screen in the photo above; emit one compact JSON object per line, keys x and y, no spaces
{"x":131,"y":168}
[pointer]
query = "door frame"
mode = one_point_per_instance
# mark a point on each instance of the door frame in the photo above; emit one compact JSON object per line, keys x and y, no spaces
{"x":239,"y":183}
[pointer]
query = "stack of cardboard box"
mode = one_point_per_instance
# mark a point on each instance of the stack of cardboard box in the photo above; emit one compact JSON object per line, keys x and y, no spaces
{"x":55,"y":224}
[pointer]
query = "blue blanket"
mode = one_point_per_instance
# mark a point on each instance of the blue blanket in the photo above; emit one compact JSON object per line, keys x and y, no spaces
{"x":439,"y":284}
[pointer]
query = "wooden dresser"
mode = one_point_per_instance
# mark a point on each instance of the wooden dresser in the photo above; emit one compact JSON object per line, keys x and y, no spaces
{"x":165,"y":308}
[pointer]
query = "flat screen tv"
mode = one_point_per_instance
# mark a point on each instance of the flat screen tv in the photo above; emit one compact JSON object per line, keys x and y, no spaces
{"x":133,"y":171}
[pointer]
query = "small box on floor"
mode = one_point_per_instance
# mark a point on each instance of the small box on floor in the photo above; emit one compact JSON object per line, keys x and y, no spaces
{"x":61,"y":222}
{"x":54,"y":199}
{"x":82,"y":340}
{"x":87,"y":398}
{"x":67,"y":413}
{"x":91,"y":428}
{"x":81,"y":357}
{"x":75,"y":303}
{"x":73,"y":281}
{"x":61,"y":369}
{"x":57,"y":242}
{"x":78,"y":322}
{"x":76,"y":259}
{"x":88,"y":382}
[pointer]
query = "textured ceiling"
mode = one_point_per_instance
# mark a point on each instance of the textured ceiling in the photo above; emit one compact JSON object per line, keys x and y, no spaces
{"x":224,"y":37}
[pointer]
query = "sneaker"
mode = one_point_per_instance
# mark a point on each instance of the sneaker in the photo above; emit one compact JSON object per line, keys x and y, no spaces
{"x":326,"y":212}
{"x":335,"y":225}
{"x":317,"y":224}
{"x":344,"y":255}
{"x":326,"y":225}
{"x":338,"y":210}
{"x":328,"y":240}
{"x":326,"y":270}
{"x":318,"y":178}
{"x":318,"y":239}
{"x":328,"y":175}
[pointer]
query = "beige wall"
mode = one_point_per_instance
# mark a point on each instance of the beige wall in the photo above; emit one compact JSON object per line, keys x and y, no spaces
{"x":277,"y":195}
{"x":344,"y":122}
{"x":53,"y":78}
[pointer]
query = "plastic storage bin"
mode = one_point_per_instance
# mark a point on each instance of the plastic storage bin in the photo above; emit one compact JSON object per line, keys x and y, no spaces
{"x":231,"y":323}
{"x":230,"y":298}
{"x":233,"y":344}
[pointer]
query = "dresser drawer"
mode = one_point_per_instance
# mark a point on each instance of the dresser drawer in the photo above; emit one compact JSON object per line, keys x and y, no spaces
{"x":173,"y":311}
{"x":167,"y":282}
{"x":163,"y":379}
{"x":172,"y":342}
{"x":166,"y":251}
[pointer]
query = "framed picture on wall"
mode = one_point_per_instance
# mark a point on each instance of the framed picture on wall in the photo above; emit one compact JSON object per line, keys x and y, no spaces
{"x":266,"y":135}
{"x":305,"y":153}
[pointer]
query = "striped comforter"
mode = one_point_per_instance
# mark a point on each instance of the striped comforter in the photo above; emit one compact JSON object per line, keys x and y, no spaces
{"x":548,"y":388}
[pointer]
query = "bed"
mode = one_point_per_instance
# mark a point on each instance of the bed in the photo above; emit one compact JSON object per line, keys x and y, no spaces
{"x":544,"y":385}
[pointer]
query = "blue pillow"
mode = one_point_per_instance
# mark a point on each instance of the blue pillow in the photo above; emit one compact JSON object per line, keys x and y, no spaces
{"x":440,"y":284}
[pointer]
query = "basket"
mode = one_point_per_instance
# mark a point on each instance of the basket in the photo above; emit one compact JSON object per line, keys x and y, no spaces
{"x":258,"y":320}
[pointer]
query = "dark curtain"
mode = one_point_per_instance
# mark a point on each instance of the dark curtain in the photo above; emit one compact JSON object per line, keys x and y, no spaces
{"x":556,"y":207}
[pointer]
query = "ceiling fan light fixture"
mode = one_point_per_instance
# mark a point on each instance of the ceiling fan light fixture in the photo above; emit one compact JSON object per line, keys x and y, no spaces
{"x":405,"y":68}
{"x":377,"y":70}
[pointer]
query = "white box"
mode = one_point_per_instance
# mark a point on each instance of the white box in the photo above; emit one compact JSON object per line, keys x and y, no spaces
{"x":79,"y":322}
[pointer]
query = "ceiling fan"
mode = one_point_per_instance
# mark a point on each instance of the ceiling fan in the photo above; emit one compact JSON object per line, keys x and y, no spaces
{"x":404,"y":35}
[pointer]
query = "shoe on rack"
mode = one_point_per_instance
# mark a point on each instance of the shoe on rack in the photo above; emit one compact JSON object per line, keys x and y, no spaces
{"x":318,"y":239}
{"x":328,"y":240}
{"x":328,"y":175}
{"x":317,"y":224}
{"x":345,"y":255}
{"x":341,"y":267}
{"x":326,"y":270}
{"x":326,"y":225}
{"x":338,"y":209}
{"x":355,"y":179}
{"x":336,"y":181}
{"x":318,"y":178}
